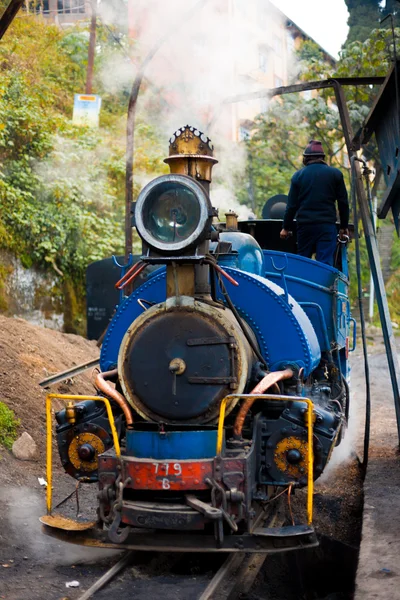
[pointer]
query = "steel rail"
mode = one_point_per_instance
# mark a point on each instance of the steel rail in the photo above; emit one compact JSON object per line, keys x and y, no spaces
{"x":63,"y":375}
{"x":234,"y":578}
{"x":110,"y":574}
{"x":238,"y":573}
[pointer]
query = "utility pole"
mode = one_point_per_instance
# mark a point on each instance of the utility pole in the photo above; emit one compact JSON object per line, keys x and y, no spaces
{"x":92,"y":46}
{"x":131,"y":20}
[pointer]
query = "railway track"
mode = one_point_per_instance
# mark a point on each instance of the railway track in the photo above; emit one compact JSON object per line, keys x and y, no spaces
{"x":235,"y":577}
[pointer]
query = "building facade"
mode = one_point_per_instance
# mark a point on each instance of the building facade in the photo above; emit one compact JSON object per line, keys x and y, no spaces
{"x":231,"y":47}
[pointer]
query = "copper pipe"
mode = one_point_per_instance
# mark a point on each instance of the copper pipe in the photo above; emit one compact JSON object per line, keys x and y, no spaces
{"x":214,"y":264}
{"x":128,"y":273}
{"x":132,"y":277}
{"x":101,"y":383}
{"x":261,"y":387}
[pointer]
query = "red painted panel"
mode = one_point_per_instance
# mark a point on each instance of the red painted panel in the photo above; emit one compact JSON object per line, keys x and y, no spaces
{"x":168,"y":475}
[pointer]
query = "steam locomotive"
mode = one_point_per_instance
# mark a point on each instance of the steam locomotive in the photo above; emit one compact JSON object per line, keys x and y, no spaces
{"x":223,"y":381}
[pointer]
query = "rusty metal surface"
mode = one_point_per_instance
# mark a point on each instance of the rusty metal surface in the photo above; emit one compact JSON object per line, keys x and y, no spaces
{"x":186,"y":542}
{"x":60,"y":522}
{"x":63,"y":375}
{"x":179,"y":475}
{"x":383,"y":122}
{"x":373,"y":252}
{"x":94,"y":442}
{"x":304,"y":87}
{"x":150,"y":515}
{"x":281,"y":457}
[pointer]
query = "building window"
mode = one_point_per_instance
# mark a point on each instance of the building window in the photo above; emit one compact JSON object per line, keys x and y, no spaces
{"x":290,"y":43}
{"x":278,"y":81}
{"x":244,"y":133}
{"x":277,"y":45}
{"x":263,"y":61}
{"x":71,"y":6}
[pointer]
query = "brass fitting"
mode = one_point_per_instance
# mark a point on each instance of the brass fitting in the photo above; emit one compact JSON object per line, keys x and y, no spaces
{"x":231,"y":221}
{"x":191,"y":153}
{"x":70,"y":413}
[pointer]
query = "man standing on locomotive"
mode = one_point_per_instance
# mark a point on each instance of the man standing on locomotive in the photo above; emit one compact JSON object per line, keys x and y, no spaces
{"x":312,"y":200}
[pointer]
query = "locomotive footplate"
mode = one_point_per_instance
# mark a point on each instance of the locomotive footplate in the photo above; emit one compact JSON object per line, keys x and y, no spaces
{"x":279,"y":540}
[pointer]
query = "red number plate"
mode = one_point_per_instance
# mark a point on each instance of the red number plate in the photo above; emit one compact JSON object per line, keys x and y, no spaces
{"x":168,"y":475}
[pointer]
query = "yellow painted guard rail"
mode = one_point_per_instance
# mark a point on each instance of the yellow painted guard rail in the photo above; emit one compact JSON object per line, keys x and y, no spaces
{"x":310,"y":461}
{"x":49,"y":431}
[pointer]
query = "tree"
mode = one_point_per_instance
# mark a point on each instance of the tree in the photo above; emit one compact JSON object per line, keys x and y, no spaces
{"x":61,"y":186}
{"x":364,"y":16}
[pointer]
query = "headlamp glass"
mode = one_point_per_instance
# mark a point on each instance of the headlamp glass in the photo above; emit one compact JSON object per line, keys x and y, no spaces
{"x":171,"y":213}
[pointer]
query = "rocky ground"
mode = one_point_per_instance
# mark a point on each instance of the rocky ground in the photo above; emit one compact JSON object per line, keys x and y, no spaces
{"x":33,"y":566}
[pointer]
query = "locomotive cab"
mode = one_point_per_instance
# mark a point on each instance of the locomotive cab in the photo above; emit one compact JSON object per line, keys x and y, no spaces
{"x":223,"y":377}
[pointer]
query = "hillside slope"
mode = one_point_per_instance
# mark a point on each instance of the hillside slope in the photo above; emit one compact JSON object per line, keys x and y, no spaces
{"x":28,"y":354}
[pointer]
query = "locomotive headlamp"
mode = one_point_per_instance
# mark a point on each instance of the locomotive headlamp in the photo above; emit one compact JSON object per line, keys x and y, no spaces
{"x":172,"y":213}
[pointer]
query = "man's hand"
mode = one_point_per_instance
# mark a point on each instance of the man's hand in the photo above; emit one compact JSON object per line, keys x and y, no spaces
{"x":344,"y":235}
{"x":285,"y":234}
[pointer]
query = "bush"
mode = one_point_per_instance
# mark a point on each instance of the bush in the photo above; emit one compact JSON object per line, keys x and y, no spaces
{"x":8,"y":426}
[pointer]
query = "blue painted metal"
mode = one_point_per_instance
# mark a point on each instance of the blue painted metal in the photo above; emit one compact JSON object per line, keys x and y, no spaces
{"x":354,"y":335}
{"x":229,"y":260}
{"x":283,"y":330}
{"x":344,"y":260}
{"x":249,"y":252}
{"x":280,"y":269}
{"x":175,"y":445}
{"x":124,"y":267}
{"x":309,"y":280}
{"x":153,"y":290}
{"x":312,"y":305}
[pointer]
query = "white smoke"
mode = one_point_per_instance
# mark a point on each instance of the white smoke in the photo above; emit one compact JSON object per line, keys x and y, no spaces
{"x":23,"y":506}
{"x":211,"y":51}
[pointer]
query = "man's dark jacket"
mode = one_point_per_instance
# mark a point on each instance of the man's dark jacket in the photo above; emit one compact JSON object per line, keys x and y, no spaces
{"x":312,"y":196}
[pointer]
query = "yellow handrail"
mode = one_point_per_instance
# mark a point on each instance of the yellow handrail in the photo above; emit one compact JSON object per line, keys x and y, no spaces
{"x":310,"y":453}
{"x":49,"y":449}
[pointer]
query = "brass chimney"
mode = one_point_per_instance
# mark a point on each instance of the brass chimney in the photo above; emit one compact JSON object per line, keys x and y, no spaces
{"x":191,"y":153}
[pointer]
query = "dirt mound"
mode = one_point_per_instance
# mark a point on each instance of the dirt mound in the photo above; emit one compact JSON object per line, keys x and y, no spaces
{"x":28,"y":354}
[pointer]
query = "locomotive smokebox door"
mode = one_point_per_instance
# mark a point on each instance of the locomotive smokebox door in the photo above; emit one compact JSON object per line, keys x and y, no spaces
{"x":202,"y":359}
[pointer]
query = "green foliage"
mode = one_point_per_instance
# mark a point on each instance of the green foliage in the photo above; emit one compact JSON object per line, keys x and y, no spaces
{"x":62,"y":187}
{"x":8,"y":426}
{"x":364,"y":15}
{"x":393,"y":285}
{"x":280,"y":134}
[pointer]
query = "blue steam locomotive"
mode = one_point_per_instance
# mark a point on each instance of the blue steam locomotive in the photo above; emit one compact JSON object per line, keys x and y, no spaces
{"x":223,"y":380}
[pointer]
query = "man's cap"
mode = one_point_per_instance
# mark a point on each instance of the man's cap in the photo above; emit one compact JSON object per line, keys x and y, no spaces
{"x":314,"y":148}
